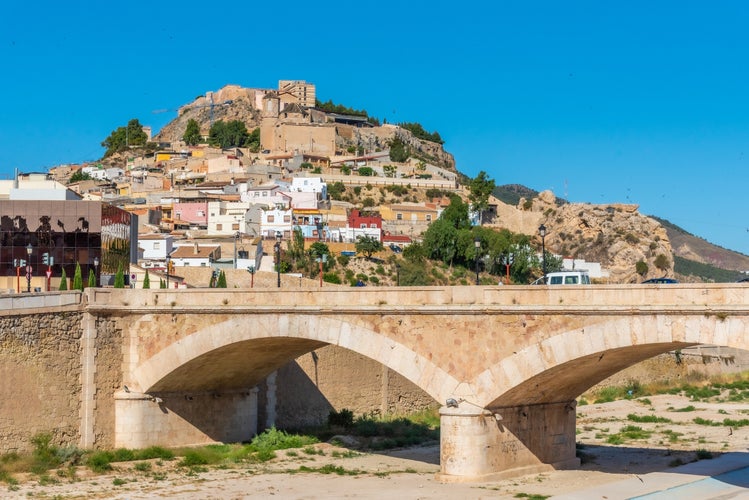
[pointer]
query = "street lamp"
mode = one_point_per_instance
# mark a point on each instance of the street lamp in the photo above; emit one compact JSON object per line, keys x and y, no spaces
{"x":251,"y":270}
{"x":542,"y":232}
{"x":167,"y":272}
{"x":277,"y":247}
{"x":96,"y":270}
{"x":236,"y":237}
{"x":29,"y":249}
{"x":477,"y":243}
{"x":397,"y":274}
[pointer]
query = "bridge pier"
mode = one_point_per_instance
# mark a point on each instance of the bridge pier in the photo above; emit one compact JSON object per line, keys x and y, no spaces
{"x":478,"y":444}
{"x":184,"y":419}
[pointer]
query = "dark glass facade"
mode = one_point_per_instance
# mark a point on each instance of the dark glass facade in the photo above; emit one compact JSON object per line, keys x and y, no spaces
{"x":65,"y":233}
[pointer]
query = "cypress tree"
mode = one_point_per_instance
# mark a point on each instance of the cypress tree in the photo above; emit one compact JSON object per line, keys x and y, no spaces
{"x":78,"y":278}
{"x":221,"y":280}
{"x":63,"y":281}
{"x":91,"y":278}
{"x":146,"y":281}
{"x":119,"y":278}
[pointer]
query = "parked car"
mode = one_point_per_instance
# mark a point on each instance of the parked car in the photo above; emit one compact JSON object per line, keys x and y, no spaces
{"x":743,"y":280}
{"x":395,"y":248}
{"x":663,"y":280}
{"x":564,"y":278}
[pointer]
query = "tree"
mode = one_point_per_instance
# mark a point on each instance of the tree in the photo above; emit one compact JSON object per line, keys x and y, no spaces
{"x":398,"y":150}
{"x":366,"y":171}
{"x":78,"y":278}
{"x":162,"y":283}
{"x":79,"y":175}
{"x":63,"y":281}
{"x":119,"y":278}
{"x":661,"y":262}
{"x":91,"y":278}
{"x":335,"y":190}
{"x":228,"y":135}
{"x":389,"y":170}
{"x":480,"y":188}
{"x":192,"y":133}
{"x":221,"y":279}
{"x":146,"y":281}
{"x":123,"y":137}
{"x":368,"y":245}
{"x":253,"y":140}
{"x":641,"y":268}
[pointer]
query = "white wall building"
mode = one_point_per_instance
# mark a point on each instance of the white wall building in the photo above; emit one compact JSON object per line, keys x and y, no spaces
{"x":156,"y":246}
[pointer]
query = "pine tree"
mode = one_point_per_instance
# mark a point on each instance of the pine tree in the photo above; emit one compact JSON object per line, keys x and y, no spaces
{"x":78,"y":278}
{"x":146,"y":281}
{"x":63,"y":281}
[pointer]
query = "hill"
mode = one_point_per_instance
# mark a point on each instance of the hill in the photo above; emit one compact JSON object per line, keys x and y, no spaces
{"x":700,"y":258}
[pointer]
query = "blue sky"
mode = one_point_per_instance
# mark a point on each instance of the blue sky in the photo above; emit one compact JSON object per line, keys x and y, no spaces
{"x":601,"y":102}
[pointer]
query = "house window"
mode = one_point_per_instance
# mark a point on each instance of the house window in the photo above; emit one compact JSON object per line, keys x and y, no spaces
{"x":156,"y":245}
{"x":363,"y":226}
{"x":398,"y":216}
{"x":271,"y":218}
{"x":219,"y":227}
{"x":429,"y":217}
{"x":373,"y":225}
{"x":235,"y":226}
{"x":201,"y":213}
{"x":179,"y":215}
{"x":287,"y":218}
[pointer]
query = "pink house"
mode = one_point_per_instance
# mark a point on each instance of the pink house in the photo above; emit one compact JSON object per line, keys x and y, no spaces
{"x":191,"y":214}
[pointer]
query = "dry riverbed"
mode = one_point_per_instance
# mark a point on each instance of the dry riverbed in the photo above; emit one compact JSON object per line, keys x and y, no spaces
{"x":617,"y":440}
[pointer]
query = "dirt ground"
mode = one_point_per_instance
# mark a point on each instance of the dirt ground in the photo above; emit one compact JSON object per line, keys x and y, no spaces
{"x":410,"y":473}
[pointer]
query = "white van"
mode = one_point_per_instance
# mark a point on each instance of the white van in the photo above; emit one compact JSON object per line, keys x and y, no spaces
{"x":564,"y":278}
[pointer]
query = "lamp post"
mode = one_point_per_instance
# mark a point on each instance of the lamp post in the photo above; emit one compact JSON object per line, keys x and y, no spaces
{"x":542,"y":232}
{"x":277,"y":247}
{"x":29,"y":249}
{"x":236,"y":237}
{"x":96,"y":270}
{"x":167,"y":272}
{"x":477,"y":243}
{"x":251,"y":270}
{"x":397,"y":274}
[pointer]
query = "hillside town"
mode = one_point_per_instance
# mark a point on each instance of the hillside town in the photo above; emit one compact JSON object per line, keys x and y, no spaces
{"x":193,"y":211}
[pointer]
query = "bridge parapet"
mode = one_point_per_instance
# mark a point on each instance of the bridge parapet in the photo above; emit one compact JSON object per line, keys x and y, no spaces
{"x":717,"y":296}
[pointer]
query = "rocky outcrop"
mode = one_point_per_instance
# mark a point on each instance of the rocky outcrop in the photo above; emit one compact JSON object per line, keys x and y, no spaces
{"x":616,"y":235}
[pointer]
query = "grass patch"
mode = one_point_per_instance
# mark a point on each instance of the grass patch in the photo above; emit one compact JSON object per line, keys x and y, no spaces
{"x":628,"y":432}
{"x":652,"y":419}
{"x":683,"y":410}
{"x":331,"y":469}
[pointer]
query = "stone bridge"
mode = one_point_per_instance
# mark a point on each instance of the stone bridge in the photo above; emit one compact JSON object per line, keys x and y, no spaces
{"x":179,"y":367}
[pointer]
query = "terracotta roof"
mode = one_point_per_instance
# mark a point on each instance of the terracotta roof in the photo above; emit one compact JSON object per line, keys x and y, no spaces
{"x":194,"y":251}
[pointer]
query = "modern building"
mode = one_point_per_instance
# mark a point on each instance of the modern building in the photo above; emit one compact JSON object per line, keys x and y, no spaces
{"x":40,"y":236}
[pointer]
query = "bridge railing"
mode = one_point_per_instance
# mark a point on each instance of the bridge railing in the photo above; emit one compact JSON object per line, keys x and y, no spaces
{"x":511,"y":297}
{"x":15,"y":302}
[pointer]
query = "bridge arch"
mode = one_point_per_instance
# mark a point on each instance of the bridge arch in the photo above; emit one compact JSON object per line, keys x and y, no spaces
{"x":218,"y":354}
{"x":563,"y":366}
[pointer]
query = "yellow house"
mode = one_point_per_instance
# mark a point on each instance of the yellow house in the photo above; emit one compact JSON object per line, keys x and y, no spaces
{"x":410,"y":213}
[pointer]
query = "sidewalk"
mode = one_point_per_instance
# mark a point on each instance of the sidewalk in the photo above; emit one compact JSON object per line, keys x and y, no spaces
{"x":724,"y":477}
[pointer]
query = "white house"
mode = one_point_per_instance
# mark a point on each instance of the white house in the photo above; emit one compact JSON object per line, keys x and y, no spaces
{"x":195,"y":255}
{"x":310,"y":185}
{"x":156,"y":246}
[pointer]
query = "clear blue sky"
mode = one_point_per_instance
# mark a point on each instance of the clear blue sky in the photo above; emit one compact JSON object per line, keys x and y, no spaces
{"x":637,"y":102}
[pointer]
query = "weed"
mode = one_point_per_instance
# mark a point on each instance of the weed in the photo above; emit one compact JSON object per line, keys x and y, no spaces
{"x":683,"y":410}
{"x":118,"y":481}
{"x":531,"y":496}
{"x":703,"y":454}
{"x":345,"y":454}
{"x":142,"y":466}
{"x":648,"y":419}
{"x":311,"y":450}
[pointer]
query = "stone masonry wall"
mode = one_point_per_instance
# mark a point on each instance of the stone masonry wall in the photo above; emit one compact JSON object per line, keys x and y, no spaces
{"x":334,"y":378}
{"x":40,"y":371}
{"x":108,"y":379}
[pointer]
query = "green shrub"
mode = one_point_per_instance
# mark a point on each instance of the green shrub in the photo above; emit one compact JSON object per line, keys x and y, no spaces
{"x":343,"y":418}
